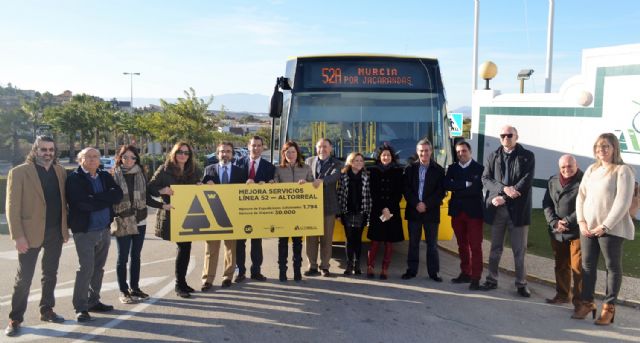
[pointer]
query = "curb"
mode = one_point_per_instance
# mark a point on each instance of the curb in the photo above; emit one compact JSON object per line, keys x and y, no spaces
{"x":538,"y":279}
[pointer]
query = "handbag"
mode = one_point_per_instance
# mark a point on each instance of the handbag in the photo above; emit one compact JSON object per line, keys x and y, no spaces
{"x":124,"y":226}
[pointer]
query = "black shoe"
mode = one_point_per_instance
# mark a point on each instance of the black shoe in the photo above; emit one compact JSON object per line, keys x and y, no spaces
{"x":186,"y":288}
{"x":435,"y":278}
{"x":297,"y":275}
{"x":240,"y":278}
{"x":258,"y":277}
{"x":488,"y":285}
{"x":182,"y":293}
{"x":206,"y":286}
{"x":326,"y":273}
{"x":138,"y":293}
{"x":462,"y":278}
{"x":357,"y":270}
{"x":83,"y":317}
{"x":100,"y":307}
{"x":226,"y":283}
{"x":51,"y":317}
{"x":312,"y":272}
{"x":349,"y":270}
{"x":474,"y":285}
{"x":408,"y":275}
{"x":524,"y":291}
{"x":12,"y":329}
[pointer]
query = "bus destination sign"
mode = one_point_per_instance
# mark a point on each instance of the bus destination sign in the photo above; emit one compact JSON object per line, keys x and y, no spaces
{"x":400,"y":75}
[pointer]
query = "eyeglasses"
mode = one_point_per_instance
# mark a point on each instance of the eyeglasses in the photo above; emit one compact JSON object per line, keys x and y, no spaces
{"x":507,"y":135}
{"x":183,"y":152}
{"x":603,"y":146}
{"x":132,"y":158}
{"x":47,"y":149}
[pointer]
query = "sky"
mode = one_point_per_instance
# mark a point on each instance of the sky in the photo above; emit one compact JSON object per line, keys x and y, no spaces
{"x":220,"y":47}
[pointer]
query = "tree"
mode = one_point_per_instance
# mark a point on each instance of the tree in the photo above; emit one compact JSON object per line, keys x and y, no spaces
{"x":34,"y":108}
{"x":188,"y":119}
{"x":12,"y":122}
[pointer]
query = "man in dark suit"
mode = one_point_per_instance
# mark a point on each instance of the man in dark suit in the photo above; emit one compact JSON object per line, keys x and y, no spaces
{"x":507,"y":179}
{"x":326,"y":170}
{"x":464,"y":181}
{"x":258,"y":170}
{"x":559,"y":205}
{"x":423,"y":191}
{"x":222,"y":172}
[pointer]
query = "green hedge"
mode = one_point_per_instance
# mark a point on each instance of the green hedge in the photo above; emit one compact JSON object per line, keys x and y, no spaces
{"x":3,"y":194}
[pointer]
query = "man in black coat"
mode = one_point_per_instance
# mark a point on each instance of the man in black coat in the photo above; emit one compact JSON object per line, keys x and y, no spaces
{"x":464,"y":181}
{"x":559,"y":205}
{"x":423,"y":191}
{"x":258,"y":170}
{"x":221,"y":173}
{"x":91,"y":194}
{"x":507,"y":179}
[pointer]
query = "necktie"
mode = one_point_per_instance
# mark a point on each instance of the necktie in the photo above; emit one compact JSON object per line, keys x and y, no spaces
{"x":252,"y":171}
{"x":225,"y":175}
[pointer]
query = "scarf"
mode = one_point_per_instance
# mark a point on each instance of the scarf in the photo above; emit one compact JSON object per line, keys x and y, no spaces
{"x":125,"y":222}
{"x":565,"y":181}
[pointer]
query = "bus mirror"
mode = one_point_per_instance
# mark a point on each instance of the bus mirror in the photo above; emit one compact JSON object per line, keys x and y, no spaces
{"x":275,"y":108}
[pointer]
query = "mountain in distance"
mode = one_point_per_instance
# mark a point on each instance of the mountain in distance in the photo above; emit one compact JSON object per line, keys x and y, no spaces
{"x":236,"y":102}
{"x":465,"y":110}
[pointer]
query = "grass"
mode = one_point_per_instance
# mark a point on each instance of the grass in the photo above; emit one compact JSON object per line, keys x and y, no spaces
{"x":538,"y":244}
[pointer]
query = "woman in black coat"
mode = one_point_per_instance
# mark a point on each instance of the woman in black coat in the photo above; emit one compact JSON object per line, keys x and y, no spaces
{"x":386,"y":223}
{"x":179,"y":169}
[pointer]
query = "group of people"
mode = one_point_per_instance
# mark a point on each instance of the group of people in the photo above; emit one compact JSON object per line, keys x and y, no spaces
{"x":588,"y":213}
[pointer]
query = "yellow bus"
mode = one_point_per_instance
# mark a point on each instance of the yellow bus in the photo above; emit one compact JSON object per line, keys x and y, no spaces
{"x":361,"y":101}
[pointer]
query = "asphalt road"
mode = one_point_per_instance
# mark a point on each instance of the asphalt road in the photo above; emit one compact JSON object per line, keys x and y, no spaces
{"x":336,"y":309}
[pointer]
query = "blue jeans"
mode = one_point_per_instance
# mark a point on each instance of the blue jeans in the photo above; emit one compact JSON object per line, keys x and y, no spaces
{"x":131,"y":244}
{"x":415,"y":235}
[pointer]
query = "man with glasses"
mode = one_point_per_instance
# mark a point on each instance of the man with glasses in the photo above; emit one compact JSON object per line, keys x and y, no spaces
{"x":507,"y":178}
{"x":222,"y":172}
{"x":37,"y":218}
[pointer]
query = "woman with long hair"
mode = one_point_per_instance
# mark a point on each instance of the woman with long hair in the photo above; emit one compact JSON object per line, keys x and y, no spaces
{"x":179,"y":169}
{"x":385,"y":225}
{"x":354,"y":198}
{"x":602,"y":210}
{"x":129,"y":226}
{"x":291,"y":169}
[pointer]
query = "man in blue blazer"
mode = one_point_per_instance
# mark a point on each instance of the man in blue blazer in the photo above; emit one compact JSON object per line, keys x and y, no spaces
{"x":466,"y":206}
{"x":423,"y":191}
{"x":258,"y":170}
{"x":221,"y":173}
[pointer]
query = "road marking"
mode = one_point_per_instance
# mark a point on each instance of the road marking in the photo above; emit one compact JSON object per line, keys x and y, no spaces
{"x":4,"y":297}
{"x":12,"y":255}
{"x":59,"y":330}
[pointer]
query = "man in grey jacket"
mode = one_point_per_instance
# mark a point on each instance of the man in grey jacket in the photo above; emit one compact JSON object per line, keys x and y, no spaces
{"x":326,"y":168}
{"x":507,"y":179}
{"x":559,"y":205}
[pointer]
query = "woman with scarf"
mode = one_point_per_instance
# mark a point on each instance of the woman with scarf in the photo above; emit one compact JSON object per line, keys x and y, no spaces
{"x":354,"y":198}
{"x":386,"y":223}
{"x":129,"y":225}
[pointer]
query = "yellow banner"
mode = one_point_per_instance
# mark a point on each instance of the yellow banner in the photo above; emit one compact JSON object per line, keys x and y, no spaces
{"x":245,"y":211}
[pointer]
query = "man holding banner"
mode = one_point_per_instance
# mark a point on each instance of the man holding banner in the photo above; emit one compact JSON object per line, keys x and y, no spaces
{"x":258,"y":170}
{"x":222,"y":172}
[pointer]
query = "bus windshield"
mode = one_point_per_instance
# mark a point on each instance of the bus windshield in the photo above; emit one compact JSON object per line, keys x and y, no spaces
{"x":360,"y":121}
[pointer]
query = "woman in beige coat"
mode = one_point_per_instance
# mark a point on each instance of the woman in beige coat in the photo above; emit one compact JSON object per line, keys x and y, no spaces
{"x":291,"y":169}
{"x":602,"y":209}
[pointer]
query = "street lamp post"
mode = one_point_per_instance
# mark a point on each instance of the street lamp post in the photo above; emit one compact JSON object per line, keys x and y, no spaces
{"x":131,"y":74}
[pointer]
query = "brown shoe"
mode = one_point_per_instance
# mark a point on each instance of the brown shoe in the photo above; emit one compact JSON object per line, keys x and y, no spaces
{"x":206,"y":286}
{"x":557,"y":300}
{"x":583,"y":310}
{"x":607,"y":315}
